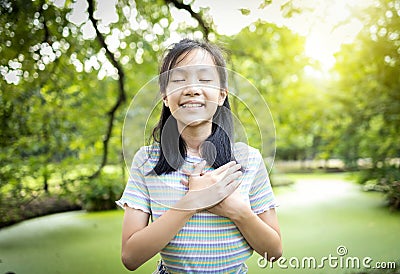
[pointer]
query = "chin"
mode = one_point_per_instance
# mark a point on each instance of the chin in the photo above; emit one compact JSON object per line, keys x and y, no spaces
{"x":196,"y":122}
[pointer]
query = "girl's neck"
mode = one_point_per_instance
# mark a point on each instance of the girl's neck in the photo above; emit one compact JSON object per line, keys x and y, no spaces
{"x":194,"y":136}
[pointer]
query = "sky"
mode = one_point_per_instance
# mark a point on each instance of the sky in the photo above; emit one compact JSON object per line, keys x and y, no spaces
{"x":317,"y":24}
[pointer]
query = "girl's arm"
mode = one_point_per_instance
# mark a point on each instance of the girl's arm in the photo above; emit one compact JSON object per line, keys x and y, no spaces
{"x":141,"y":241}
{"x":260,"y":231}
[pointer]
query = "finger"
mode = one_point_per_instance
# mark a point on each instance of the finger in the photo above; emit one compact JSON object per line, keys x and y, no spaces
{"x":232,"y":186}
{"x":227,"y":188}
{"x":208,"y":197}
{"x":198,"y":168}
{"x":184,"y":182}
{"x":232,"y":177}
{"x":185,"y":172}
{"x":231,"y":170}
{"x":223,"y":168}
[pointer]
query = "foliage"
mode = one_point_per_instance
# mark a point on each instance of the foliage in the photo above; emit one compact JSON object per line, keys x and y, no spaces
{"x":63,"y":68}
{"x":384,"y":179}
{"x":275,"y":64}
{"x":101,"y":193}
{"x":59,"y":84}
{"x":369,"y":98}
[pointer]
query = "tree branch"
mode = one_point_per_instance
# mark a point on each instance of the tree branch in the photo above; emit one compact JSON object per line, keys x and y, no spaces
{"x":203,"y":24}
{"x":121,"y":89}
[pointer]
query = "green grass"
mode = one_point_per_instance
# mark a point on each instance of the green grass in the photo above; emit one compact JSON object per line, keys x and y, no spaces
{"x":323,"y":211}
{"x":316,"y":214}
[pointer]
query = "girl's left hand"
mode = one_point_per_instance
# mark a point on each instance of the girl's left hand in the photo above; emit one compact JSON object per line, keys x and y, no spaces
{"x":231,"y":206}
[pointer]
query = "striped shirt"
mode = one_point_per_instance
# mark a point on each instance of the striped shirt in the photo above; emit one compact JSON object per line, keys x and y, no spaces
{"x":208,"y":243}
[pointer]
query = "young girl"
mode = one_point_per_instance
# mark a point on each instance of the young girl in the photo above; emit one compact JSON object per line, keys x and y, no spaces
{"x":210,"y":200}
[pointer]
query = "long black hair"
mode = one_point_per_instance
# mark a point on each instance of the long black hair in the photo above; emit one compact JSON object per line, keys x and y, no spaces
{"x":217,"y":149}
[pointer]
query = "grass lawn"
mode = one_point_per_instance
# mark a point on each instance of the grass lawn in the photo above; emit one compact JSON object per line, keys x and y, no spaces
{"x":317,"y":214}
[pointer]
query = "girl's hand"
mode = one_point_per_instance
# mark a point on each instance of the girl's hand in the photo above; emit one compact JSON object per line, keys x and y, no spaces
{"x":233,"y":204}
{"x":207,"y":190}
{"x":199,"y":180}
{"x":231,"y":207}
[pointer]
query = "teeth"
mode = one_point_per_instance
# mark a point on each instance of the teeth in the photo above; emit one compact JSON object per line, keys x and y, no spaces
{"x":191,"y":105}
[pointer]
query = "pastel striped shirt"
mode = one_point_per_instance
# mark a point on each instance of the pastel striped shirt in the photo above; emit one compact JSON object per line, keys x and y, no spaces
{"x":208,"y":243}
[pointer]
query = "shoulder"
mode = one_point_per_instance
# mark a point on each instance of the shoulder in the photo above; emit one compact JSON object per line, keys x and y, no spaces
{"x":246,"y":155}
{"x":146,"y":156}
{"x":240,"y":147}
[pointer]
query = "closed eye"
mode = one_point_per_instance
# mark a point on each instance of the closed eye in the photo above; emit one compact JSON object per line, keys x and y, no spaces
{"x":205,"y":80}
{"x":177,"y":80}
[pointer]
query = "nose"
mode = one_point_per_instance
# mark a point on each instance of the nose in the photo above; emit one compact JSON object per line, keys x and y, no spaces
{"x":192,"y":90}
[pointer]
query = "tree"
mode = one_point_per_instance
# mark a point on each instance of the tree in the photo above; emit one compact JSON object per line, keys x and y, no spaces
{"x":66,"y":75}
{"x":275,"y":63}
{"x":369,"y":82}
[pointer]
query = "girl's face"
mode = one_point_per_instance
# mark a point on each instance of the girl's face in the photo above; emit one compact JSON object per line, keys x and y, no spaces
{"x":193,"y":92}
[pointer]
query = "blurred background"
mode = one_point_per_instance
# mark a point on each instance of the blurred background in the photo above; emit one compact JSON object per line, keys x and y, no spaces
{"x":329,"y":71}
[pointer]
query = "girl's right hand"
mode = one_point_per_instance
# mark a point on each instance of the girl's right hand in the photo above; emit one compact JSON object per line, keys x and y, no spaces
{"x":199,"y":180}
{"x":209,"y":189}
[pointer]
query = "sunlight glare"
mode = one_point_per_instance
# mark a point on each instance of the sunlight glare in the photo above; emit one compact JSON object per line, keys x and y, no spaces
{"x":320,"y":48}
{"x":326,"y":24}
{"x":326,"y":37}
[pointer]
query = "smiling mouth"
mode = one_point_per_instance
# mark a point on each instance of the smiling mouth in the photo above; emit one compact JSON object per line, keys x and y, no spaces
{"x":197,"y":105}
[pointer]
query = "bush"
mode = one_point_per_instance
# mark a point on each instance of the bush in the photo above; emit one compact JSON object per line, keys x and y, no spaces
{"x":385,"y":179}
{"x":102,"y":192}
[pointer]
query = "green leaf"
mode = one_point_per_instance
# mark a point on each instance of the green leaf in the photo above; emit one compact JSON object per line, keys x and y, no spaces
{"x":264,"y":4}
{"x":245,"y":11}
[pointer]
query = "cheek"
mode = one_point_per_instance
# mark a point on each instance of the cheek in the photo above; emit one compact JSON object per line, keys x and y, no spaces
{"x":168,"y":92}
{"x":172,"y":98}
{"x":172,"y":102}
{"x":213,"y":95}
{"x":171,"y":89}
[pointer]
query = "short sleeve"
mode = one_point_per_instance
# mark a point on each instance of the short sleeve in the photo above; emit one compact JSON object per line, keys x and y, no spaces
{"x":136,"y":194}
{"x":261,"y":195}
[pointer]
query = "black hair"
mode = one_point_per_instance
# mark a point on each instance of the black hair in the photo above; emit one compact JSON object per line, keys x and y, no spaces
{"x":217,"y":149}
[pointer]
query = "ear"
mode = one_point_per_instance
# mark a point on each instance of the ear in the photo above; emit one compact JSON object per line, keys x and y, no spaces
{"x":222,"y":96}
{"x":165,"y":100}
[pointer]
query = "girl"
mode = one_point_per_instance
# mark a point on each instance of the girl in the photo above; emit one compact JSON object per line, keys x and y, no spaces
{"x":210,"y":200}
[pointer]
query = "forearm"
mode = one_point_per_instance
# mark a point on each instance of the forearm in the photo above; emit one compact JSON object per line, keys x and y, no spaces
{"x":144,"y":244}
{"x":141,"y":241}
{"x":260,"y":236}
